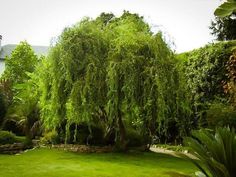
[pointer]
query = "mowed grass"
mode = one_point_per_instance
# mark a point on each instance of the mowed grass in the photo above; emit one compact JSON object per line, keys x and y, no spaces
{"x":46,"y":162}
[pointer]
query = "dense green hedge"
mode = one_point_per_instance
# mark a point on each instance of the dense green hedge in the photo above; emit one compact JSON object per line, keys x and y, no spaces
{"x":205,"y":71}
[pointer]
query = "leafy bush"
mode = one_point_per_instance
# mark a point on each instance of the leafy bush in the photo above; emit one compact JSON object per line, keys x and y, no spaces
{"x":216,"y":152}
{"x":219,"y":115}
{"x":50,"y":138}
{"x":7,"y":137}
{"x":21,"y":139}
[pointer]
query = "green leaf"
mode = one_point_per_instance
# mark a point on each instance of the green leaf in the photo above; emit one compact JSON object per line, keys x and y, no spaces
{"x":222,"y":12}
{"x":228,"y":6}
{"x":225,"y":9}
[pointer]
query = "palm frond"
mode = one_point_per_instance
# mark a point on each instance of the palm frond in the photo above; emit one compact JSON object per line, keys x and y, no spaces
{"x":216,"y":152}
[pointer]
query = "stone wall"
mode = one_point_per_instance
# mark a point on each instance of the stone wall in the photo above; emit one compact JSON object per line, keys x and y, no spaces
{"x":83,"y":148}
{"x":12,"y":148}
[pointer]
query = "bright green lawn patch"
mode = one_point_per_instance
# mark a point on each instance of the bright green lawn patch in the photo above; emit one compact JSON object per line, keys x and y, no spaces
{"x":56,"y":163}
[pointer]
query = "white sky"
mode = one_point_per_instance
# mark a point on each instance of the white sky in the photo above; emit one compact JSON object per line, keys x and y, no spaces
{"x":186,"y":22}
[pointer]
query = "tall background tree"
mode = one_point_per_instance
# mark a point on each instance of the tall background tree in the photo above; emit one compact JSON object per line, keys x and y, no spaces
{"x":21,"y":61}
{"x":15,"y":80}
{"x":224,"y":26}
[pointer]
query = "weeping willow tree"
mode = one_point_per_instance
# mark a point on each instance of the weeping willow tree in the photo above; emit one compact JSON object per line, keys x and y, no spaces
{"x":74,"y":88}
{"x":113,"y":73}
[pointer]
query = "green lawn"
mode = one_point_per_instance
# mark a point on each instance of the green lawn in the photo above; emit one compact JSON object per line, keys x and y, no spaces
{"x":56,"y":163}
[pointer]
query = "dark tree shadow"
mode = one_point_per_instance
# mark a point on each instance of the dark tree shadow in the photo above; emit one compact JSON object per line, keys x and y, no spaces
{"x":175,"y":174}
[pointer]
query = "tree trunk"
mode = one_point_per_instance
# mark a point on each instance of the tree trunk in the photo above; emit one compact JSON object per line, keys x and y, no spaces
{"x":122,"y":132}
{"x":121,"y":126}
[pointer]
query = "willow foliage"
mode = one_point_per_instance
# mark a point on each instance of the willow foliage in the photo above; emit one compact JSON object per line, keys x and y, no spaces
{"x":113,"y":73}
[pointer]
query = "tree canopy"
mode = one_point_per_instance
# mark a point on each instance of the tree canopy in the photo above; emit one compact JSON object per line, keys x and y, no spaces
{"x":115,"y":73}
{"x":224,"y":28}
{"x":16,"y":82}
{"x":21,"y":61}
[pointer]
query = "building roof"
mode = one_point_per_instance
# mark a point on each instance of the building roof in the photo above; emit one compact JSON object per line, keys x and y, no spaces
{"x":7,"y":49}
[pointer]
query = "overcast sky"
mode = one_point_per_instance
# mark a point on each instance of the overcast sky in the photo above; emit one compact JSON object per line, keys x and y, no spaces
{"x":185,"y":22}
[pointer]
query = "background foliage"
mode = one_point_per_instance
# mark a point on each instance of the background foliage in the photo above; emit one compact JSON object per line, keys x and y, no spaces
{"x":17,"y":89}
{"x":206,"y":74}
{"x":224,"y":28}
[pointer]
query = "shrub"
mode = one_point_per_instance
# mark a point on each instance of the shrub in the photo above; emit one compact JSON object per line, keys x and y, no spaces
{"x":50,"y":138}
{"x":216,"y":152}
{"x":21,"y":139}
{"x":219,"y":115}
{"x":7,"y":137}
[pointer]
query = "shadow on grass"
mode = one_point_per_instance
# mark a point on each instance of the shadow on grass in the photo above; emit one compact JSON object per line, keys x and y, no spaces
{"x":175,"y":174}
